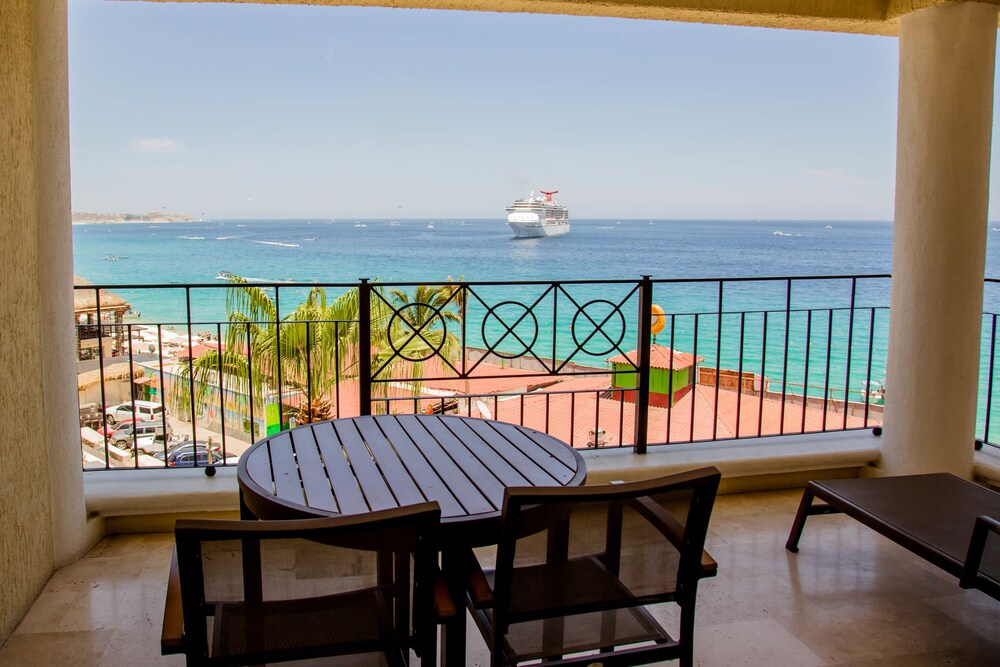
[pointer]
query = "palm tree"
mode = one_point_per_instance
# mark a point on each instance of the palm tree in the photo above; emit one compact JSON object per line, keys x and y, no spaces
{"x":315,"y":346}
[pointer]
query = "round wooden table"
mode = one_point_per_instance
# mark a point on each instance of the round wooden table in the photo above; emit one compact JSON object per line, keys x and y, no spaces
{"x":362,"y":464}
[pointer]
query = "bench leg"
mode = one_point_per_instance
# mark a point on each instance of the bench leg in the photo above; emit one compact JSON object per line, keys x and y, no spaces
{"x":800,"y":521}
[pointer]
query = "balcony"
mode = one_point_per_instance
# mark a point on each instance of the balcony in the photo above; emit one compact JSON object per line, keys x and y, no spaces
{"x":939,"y":233}
{"x":848,"y":597}
{"x":734,"y":371}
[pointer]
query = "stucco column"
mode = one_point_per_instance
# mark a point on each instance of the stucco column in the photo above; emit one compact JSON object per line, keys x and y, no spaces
{"x":43,"y":517}
{"x":70,"y":530}
{"x":946,"y":62}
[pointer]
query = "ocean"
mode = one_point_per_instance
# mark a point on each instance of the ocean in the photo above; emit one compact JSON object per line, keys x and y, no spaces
{"x":409,"y":250}
{"x":431,"y":251}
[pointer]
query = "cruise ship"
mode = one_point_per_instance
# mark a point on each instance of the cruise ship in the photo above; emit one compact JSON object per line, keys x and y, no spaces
{"x":533,"y":216}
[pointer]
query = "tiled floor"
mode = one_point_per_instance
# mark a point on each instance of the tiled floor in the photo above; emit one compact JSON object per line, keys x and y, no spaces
{"x":849,"y":597}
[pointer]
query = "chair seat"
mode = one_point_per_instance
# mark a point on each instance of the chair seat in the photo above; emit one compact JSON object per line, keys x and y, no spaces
{"x":346,"y":623}
{"x":577,"y":633}
{"x":576,"y":586}
{"x":593,"y":610}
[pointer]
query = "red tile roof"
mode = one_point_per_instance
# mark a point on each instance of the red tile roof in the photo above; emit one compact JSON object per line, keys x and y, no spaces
{"x":571,"y":417}
{"x":659,"y":357}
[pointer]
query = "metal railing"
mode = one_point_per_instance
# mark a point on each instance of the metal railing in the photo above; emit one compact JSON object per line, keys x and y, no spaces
{"x":590,"y":362}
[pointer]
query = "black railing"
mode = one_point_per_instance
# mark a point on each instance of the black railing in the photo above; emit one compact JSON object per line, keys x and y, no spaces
{"x":590,"y":362}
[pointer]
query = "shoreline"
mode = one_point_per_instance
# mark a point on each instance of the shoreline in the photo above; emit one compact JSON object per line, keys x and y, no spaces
{"x":151,"y":221}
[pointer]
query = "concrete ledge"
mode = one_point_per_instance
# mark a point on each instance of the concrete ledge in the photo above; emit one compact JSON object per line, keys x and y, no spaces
{"x":160,"y":491}
{"x":987,"y":465}
{"x":759,"y":457}
{"x":150,"y":500}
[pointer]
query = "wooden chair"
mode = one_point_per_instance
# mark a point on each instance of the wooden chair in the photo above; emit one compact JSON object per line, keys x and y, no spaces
{"x":255,"y":592}
{"x":576,"y":569}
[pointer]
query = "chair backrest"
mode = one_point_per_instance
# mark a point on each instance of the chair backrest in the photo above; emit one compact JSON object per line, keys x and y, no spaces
{"x":267,"y":590}
{"x":649,"y":535}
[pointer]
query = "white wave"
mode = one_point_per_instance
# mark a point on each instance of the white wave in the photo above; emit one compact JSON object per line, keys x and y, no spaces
{"x":278,"y":243}
{"x":223,"y":238}
{"x":192,"y":238}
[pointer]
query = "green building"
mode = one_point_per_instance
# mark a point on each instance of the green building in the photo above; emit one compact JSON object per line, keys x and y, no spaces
{"x":672,"y":374}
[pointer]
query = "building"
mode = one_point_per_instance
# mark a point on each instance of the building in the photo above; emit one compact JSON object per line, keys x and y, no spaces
{"x":945,"y":120}
{"x":91,"y":325}
{"x":672,"y":375}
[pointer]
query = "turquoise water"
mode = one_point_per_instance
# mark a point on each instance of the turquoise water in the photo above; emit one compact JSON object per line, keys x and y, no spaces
{"x":425,"y":251}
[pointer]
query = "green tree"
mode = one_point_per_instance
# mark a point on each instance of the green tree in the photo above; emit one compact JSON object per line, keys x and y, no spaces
{"x":317,"y":344}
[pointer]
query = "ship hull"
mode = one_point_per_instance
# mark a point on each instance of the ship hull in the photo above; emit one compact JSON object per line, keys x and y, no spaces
{"x":532,"y":230}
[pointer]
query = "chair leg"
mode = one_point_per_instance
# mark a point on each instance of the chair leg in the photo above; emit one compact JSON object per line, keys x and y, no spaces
{"x":800,"y":521}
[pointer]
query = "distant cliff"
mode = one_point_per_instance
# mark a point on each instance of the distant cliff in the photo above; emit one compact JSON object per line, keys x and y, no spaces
{"x":79,"y":217}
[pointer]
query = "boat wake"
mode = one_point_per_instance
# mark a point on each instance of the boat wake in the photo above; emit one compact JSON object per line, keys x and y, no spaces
{"x":192,"y":238}
{"x":278,"y":243}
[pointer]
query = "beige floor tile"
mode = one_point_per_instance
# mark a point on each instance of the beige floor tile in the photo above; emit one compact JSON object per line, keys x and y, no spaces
{"x":45,"y":649}
{"x":848,"y":597}
{"x":887,"y":629}
{"x":762,"y":643}
{"x":974,"y":610}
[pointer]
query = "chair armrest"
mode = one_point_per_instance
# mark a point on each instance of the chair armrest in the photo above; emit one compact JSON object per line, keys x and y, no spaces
{"x":444,"y":605}
{"x":172,"y":633}
{"x":977,"y":545}
{"x":672,"y":529}
{"x":480,"y":591}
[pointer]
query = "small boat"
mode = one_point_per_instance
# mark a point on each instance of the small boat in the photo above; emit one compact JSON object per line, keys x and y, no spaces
{"x":225,"y":275}
{"x":430,"y":225}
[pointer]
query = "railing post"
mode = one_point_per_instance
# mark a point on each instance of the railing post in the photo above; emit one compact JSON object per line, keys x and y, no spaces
{"x":645,"y":338}
{"x":365,"y":347}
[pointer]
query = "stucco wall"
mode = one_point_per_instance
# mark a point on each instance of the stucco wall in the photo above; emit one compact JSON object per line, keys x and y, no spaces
{"x":25,"y":503}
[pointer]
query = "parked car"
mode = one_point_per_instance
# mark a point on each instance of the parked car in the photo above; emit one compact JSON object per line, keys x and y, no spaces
{"x":150,"y":436}
{"x":186,"y":454}
{"x":90,"y":415}
{"x":110,"y":430}
{"x":143,"y":411}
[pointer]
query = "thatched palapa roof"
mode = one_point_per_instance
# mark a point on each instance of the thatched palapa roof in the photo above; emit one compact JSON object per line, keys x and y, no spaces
{"x":85,"y":301}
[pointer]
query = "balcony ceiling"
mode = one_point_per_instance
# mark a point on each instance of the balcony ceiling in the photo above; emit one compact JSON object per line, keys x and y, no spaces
{"x":872,"y":17}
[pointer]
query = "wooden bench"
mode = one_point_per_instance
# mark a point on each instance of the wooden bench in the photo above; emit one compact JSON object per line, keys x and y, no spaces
{"x":945,"y":520}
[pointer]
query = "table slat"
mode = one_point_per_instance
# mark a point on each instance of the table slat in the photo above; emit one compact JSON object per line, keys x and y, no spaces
{"x":531,"y":444}
{"x":423,"y":474}
{"x":536,"y":475}
{"x":504,"y":472}
{"x":376,"y":492}
{"x":316,"y":484}
{"x":481,"y":476}
{"x":287,"y":484}
{"x":393,"y":470}
{"x":552,"y":446}
{"x":459,"y":480}
{"x":345,"y":485}
{"x":259,"y":469}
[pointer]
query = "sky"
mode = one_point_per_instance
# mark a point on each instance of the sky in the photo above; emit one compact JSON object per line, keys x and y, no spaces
{"x":250,"y":111}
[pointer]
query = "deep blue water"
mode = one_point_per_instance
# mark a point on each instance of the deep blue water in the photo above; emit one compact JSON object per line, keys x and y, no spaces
{"x":476,"y":249}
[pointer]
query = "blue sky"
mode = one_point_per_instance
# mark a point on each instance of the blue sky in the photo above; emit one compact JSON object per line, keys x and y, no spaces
{"x":281,"y":112}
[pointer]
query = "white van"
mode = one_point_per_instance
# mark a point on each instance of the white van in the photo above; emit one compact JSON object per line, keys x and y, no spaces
{"x":144,"y":411}
{"x":150,"y":436}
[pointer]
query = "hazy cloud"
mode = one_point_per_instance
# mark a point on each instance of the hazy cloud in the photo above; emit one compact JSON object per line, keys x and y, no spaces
{"x":156,"y":145}
{"x":834,"y":175}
